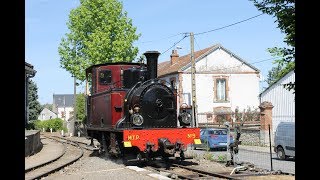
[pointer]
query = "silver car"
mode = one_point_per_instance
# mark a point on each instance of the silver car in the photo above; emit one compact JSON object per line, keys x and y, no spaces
{"x":284,"y":140}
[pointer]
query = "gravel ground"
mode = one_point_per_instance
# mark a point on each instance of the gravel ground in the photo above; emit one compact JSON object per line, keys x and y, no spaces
{"x":95,"y":168}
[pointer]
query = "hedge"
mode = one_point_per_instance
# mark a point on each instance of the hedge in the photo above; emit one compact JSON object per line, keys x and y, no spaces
{"x":56,"y":124}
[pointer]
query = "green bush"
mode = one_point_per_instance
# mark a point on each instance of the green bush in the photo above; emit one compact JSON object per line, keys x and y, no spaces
{"x":56,"y":124}
{"x":38,"y":124}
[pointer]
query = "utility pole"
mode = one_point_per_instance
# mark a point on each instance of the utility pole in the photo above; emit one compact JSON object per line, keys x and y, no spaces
{"x":193,"y":83}
{"x":74,"y":105}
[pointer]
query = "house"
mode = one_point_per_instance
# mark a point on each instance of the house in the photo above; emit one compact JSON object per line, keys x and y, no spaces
{"x":63,"y":105}
{"x":46,"y":114}
{"x":281,"y":99}
{"x":224,"y":82}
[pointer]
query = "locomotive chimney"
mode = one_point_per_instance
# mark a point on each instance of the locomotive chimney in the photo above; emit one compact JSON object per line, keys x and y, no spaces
{"x":152,"y":63}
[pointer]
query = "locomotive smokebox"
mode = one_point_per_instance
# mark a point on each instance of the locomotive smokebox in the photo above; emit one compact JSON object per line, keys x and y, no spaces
{"x":152,"y":63}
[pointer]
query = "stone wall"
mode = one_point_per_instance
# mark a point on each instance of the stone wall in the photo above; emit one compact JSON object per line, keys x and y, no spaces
{"x":32,"y":142}
{"x":249,"y":136}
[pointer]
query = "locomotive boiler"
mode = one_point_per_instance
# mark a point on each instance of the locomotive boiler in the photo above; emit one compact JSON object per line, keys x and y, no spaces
{"x":133,"y":114}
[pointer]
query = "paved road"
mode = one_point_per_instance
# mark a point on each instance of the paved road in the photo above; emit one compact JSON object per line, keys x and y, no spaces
{"x":259,"y":158}
{"x":262,"y":160}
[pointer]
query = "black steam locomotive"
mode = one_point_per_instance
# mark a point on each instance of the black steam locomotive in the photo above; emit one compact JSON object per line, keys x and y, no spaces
{"x":130,"y":112}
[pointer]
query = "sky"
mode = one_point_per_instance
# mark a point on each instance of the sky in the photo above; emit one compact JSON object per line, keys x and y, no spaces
{"x":160,"y":24}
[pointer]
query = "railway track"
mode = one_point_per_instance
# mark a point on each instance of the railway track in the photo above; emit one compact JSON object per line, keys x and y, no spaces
{"x":184,"y":170}
{"x":72,"y":152}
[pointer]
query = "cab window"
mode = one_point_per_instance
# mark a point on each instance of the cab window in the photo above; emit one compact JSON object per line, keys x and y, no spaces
{"x":105,"y":77}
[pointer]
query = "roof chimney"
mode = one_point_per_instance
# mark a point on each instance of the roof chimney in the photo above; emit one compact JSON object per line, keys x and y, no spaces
{"x":174,"y":56}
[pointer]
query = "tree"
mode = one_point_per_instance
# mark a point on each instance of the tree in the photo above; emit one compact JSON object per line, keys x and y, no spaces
{"x":284,"y":11}
{"x":80,"y":107}
{"x":33,"y":103}
{"x":100,"y":32}
{"x":273,"y":75}
{"x":141,"y":59}
{"x":48,"y":106}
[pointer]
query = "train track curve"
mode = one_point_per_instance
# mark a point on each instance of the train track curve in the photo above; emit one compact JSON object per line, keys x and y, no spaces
{"x":72,"y":152}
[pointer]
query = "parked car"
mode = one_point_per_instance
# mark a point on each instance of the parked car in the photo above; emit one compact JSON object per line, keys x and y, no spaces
{"x":214,"y":138}
{"x":284,"y":140}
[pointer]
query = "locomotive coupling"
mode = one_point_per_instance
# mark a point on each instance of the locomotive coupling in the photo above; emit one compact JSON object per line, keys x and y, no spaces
{"x":166,"y":146}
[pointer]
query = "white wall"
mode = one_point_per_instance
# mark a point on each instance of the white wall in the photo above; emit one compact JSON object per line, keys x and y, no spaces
{"x":46,"y":114}
{"x":243,"y":81}
{"x":243,"y":91}
{"x":67,"y":112}
{"x":220,"y":60}
{"x":282,"y":100}
{"x":167,"y":78}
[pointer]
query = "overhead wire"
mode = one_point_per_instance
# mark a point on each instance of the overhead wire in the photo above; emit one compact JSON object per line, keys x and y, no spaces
{"x":228,"y":25}
{"x":187,"y":34}
{"x":160,"y":39}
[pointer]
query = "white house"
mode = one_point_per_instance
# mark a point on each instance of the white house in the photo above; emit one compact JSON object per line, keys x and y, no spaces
{"x":63,"y":105}
{"x":281,"y":99}
{"x":47,"y":114}
{"x":224,"y":82}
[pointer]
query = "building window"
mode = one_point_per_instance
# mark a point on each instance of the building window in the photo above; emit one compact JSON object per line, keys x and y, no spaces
{"x":221,"y":89}
{"x":173,"y":83}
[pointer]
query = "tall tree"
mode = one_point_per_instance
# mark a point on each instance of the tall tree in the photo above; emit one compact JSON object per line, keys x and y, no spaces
{"x":100,"y":32}
{"x":33,"y":103}
{"x":284,"y":11}
{"x":80,"y":107}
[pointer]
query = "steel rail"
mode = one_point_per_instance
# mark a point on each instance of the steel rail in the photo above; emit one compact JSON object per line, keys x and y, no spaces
{"x":60,"y":166}
{"x":219,"y":175}
{"x":47,"y":162}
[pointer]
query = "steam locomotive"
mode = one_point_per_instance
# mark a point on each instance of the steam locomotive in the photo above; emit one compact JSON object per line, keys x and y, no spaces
{"x":133,"y":114}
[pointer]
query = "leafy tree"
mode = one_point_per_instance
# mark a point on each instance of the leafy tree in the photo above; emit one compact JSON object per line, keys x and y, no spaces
{"x":100,"y":32}
{"x":80,"y":107}
{"x":33,"y":103}
{"x":48,"y":106}
{"x":273,"y":75}
{"x":284,"y":11}
{"x":141,"y":59}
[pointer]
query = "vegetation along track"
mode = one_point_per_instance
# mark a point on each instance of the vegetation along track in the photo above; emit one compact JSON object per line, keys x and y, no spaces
{"x":70,"y":154}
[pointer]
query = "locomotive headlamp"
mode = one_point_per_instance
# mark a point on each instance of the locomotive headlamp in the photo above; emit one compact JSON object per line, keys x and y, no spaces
{"x":137,"y":119}
{"x":185,"y":118}
{"x":136,"y":109}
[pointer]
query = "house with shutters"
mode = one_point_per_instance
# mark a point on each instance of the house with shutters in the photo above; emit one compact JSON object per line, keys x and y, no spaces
{"x":224,"y":82}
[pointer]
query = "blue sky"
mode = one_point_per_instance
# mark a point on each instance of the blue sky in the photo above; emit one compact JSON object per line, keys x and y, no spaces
{"x":158,"y":22}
